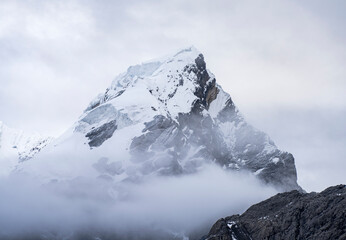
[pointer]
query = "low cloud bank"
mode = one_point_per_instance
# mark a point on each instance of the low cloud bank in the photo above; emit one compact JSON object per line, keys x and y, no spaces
{"x":178,"y":205}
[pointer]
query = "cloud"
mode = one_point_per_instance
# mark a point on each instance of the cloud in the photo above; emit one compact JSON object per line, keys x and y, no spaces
{"x":176,"y":204}
{"x":316,"y":137}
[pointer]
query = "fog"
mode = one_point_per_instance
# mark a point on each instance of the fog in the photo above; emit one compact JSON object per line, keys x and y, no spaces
{"x":315,"y":137}
{"x":179,"y":205}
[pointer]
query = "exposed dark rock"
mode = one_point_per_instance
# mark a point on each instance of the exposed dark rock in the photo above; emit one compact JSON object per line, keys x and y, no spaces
{"x":207,"y":90}
{"x":290,"y":215}
{"x":98,"y":135}
{"x":200,"y":63}
{"x":211,"y":94}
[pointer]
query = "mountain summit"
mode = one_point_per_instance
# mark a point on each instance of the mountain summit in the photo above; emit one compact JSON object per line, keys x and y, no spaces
{"x":164,"y":117}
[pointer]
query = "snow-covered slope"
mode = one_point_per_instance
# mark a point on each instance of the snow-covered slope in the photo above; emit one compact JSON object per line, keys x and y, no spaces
{"x":17,"y":146}
{"x":163,"y":117}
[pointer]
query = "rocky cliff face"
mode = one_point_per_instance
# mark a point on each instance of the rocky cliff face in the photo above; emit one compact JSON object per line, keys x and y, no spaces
{"x":166,"y":117}
{"x":290,"y":215}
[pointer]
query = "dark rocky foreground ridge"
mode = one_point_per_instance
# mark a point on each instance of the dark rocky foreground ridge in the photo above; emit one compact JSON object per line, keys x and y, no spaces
{"x":289,"y":215}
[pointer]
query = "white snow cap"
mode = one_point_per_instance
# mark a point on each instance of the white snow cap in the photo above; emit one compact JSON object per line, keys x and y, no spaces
{"x":160,"y":84}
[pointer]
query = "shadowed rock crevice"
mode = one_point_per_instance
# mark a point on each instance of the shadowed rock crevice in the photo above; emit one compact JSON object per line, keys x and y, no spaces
{"x":206,"y":90}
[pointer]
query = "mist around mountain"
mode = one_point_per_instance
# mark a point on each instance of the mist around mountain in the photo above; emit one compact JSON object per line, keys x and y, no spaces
{"x":165,"y":207}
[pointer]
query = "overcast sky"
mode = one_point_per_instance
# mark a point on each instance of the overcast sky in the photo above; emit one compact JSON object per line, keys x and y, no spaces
{"x":283,"y":62}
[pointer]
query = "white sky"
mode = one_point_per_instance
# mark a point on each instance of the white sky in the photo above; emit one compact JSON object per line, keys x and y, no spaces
{"x":283,"y":62}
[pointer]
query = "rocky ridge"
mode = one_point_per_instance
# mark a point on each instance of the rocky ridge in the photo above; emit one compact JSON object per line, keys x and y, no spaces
{"x":289,"y":215}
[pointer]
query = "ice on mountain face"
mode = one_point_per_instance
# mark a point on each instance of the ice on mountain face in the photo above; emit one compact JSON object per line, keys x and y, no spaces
{"x":143,"y":70}
{"x":170,"y":117}
{"x":17,"y":146}
{"x":100,"y":123}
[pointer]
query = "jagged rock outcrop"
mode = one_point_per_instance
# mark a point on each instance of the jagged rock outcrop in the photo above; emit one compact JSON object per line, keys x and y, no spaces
{"x":290,"y":215}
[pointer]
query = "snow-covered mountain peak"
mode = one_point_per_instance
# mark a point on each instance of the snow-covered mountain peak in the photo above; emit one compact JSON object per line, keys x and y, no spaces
{"x":166,"y":116}
{"x":170,"y":85}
